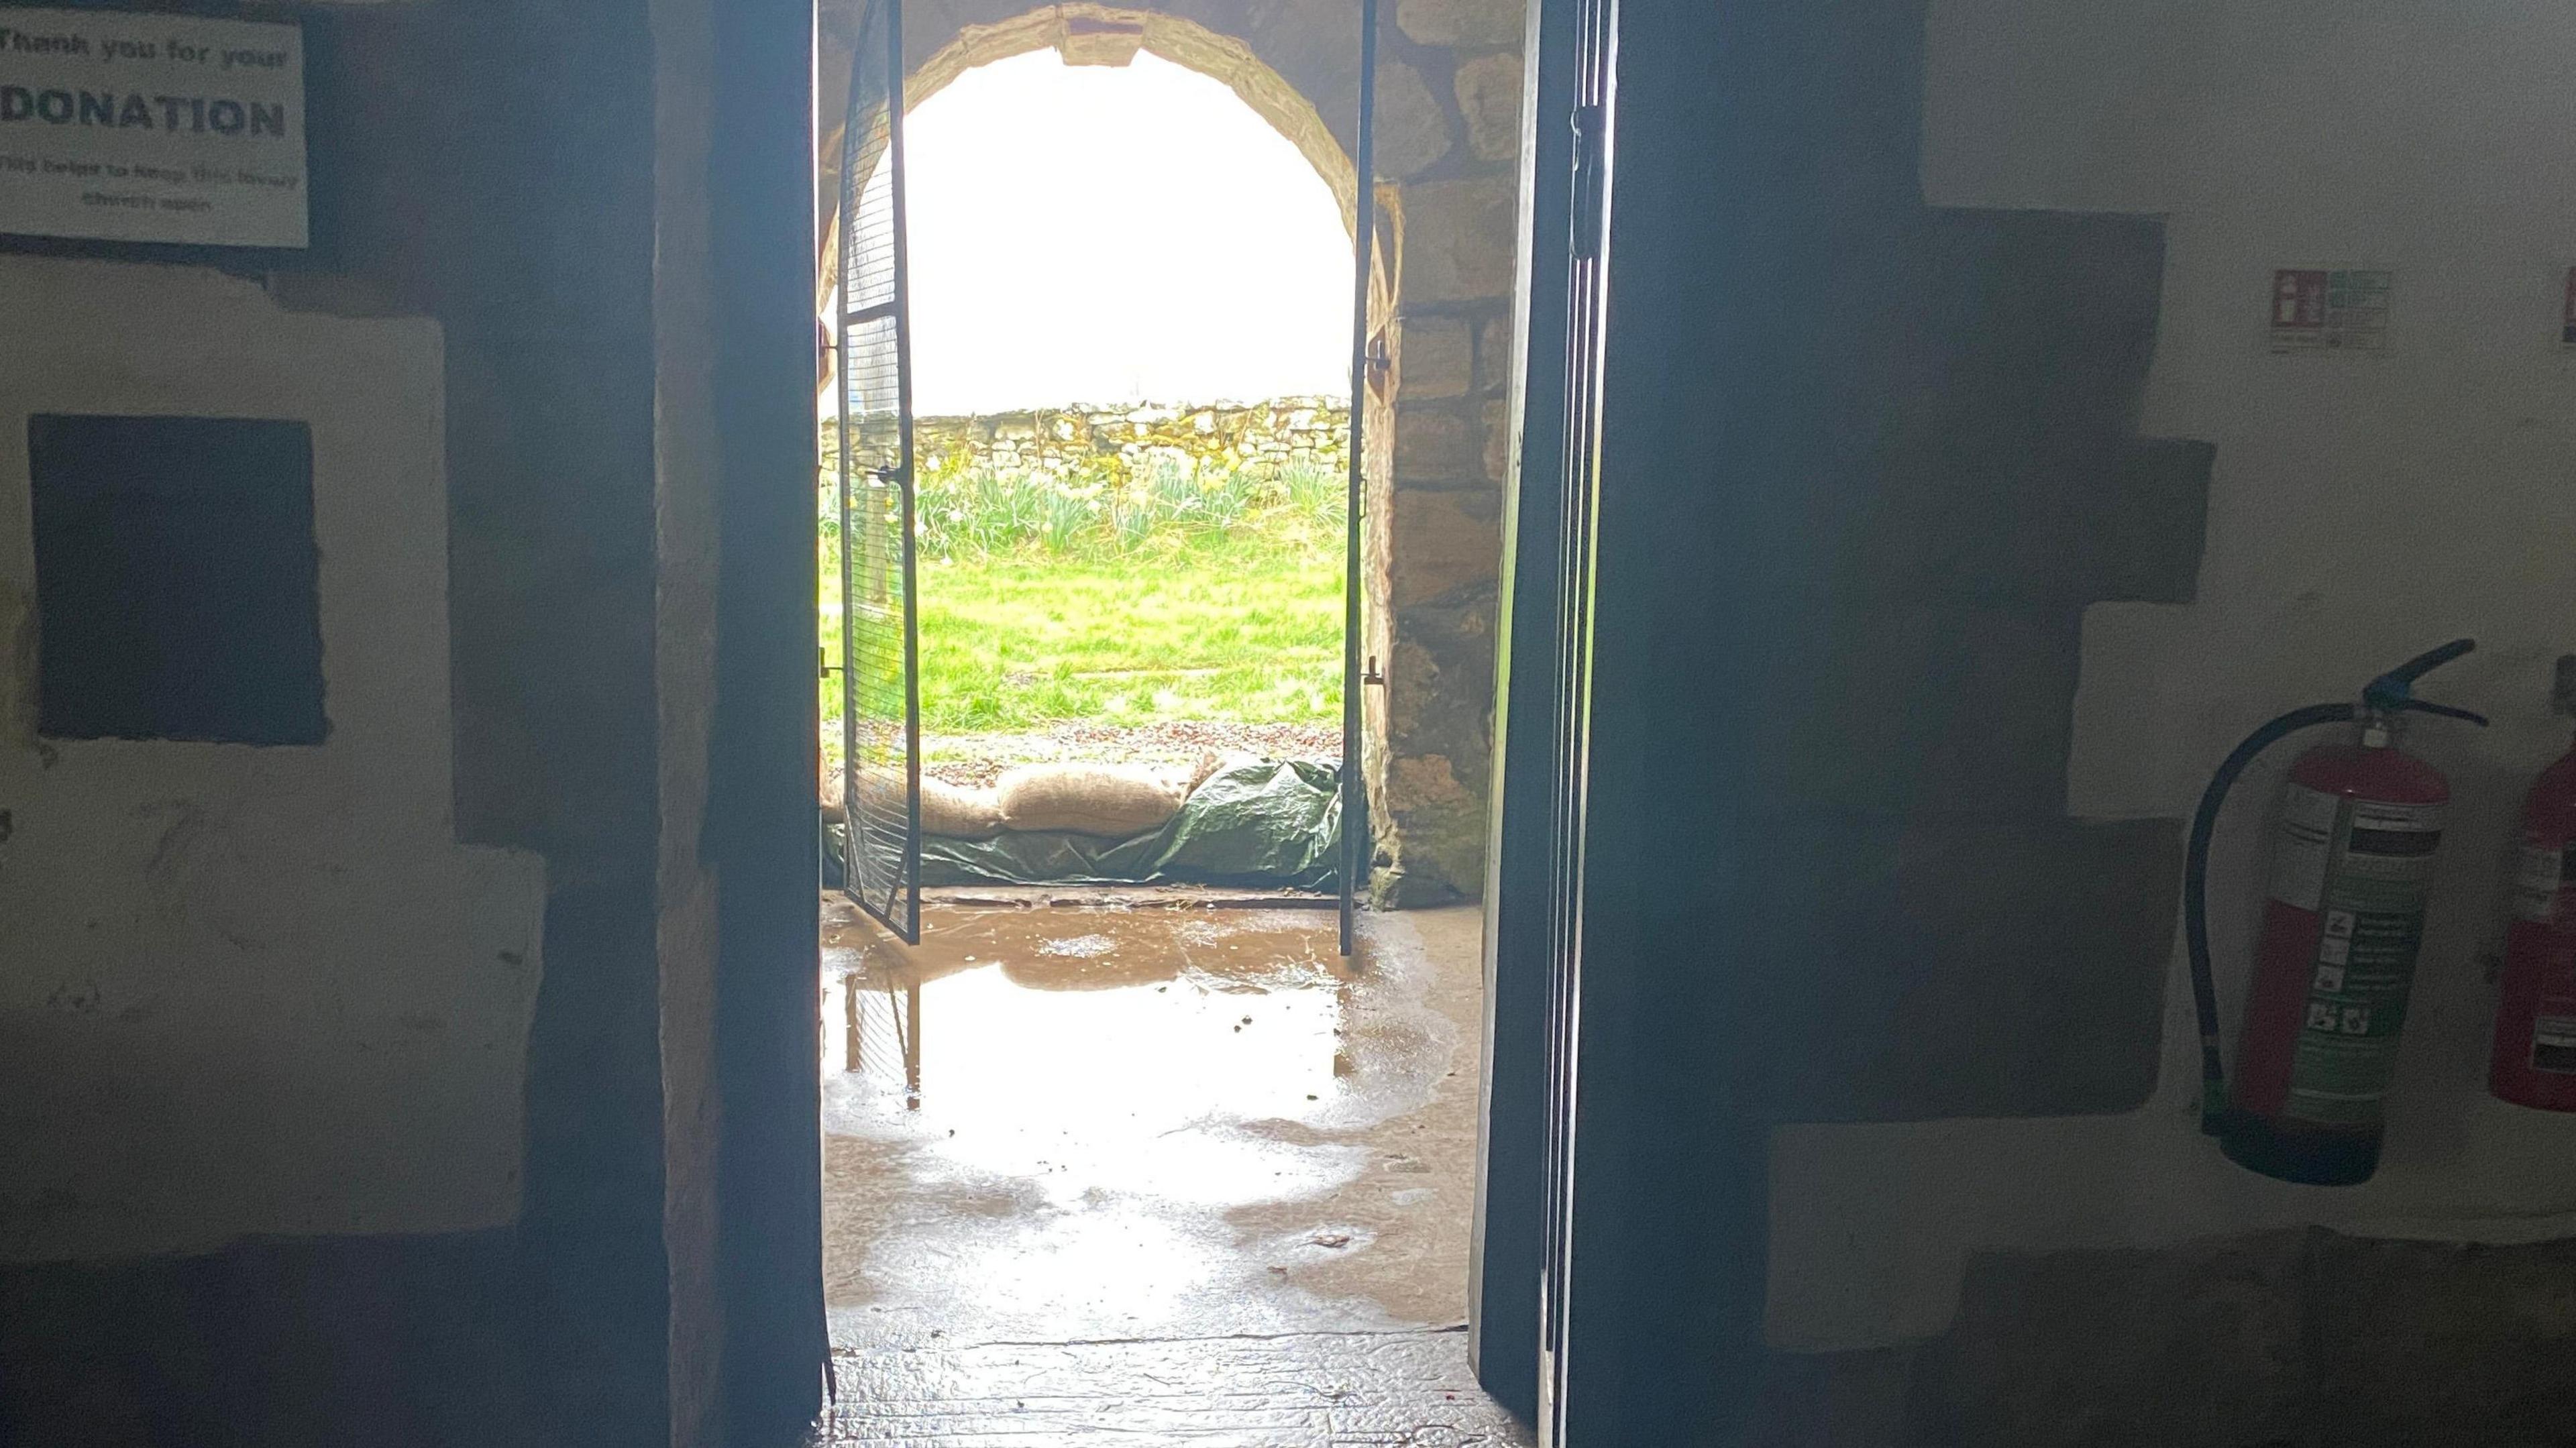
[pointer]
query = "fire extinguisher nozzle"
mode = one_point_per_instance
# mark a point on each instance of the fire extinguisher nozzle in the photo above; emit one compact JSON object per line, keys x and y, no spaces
{"x":2447,"y":711}
{"x":2398,"y":684}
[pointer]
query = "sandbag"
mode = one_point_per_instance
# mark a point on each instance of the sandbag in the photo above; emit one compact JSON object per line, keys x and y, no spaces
{"x":881,"y":794}
{"x":1112,"y":801}
{"x":950,"y":811}
{"x":953,"y":811}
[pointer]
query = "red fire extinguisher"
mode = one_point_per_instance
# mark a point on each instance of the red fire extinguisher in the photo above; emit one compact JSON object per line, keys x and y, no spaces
{"x":2535,"y":1029}
{"x":2343,"y":917}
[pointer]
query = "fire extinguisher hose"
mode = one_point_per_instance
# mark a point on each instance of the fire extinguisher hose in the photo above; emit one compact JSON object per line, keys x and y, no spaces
{"x":2195,"y":892}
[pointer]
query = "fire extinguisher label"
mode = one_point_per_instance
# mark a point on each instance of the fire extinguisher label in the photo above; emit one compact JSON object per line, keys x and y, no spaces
{"x":2306,"y":841}
{"x":2378,"y":864}
{"x":2553,"y":1040}
{"x":2538,"y":871}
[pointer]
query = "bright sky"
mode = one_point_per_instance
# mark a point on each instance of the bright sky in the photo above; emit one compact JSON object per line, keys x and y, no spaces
{"x":1099,"y":234}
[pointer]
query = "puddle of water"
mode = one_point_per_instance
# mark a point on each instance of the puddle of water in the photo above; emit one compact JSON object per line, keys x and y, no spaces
{"x":1110,"y":1122}
{"x":1030,"y":1044}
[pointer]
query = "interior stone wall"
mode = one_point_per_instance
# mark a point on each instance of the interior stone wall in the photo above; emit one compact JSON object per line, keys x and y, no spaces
{"x":296,"y":932}
{"x":2013,"y":526}
{"x":1446,"y":144}
{"x":1864,"y":464}
{"x":485,"y":231}
{"x":2360,"y":507}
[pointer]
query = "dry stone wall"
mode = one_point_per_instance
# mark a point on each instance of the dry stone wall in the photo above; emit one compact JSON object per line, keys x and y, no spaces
{"x":1269,"y":438}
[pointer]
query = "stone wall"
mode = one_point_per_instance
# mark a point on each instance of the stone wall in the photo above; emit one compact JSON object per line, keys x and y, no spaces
{"x":270,"y":870}
{"x":1954,"y":523}
{"x":1266,"y":437}
{"x":1442,"y":533}
{"x":1863,"y":466}
{"x":412,"y":982}
{"x":1446,"y":146}
{"x":2359,"y":508}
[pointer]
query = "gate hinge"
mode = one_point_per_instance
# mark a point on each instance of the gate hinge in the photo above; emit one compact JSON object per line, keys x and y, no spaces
{"x":1591,"y":178}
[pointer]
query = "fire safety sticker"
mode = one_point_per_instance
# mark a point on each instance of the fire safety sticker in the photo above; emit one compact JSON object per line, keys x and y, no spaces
{"x":2317,"y":309}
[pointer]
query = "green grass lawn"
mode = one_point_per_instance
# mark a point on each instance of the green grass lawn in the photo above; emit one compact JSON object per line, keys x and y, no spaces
{"x":1223,"y":603}
{"x":1243,"y":630}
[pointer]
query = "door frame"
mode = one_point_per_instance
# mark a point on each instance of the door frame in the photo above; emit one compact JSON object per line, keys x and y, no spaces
{"x":760,"y":840}
{"x":1506,"y":1251}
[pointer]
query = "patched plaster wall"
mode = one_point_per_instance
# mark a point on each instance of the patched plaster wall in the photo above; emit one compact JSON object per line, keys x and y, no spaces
{"x":1446,"y":140}
{"x":476,"y":323}
{"x":2113,"y":1279}
{"x":254,"y":990}
{"x":457,"y":966}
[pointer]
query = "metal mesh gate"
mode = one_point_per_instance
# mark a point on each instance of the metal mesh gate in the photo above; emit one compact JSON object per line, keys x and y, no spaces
{"x":880,"y":680}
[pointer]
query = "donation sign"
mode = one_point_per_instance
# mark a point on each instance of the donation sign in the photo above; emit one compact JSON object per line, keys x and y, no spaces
{"x":131,"y":127}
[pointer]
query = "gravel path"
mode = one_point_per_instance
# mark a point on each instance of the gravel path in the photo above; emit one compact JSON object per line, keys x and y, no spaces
{"x":976,"y":759}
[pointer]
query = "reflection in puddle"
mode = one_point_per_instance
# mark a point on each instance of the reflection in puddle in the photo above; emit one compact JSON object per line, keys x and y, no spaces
{"x":1079,"y":945}
{"x":1018,"y":1026}
{"x":1109,"y":1122}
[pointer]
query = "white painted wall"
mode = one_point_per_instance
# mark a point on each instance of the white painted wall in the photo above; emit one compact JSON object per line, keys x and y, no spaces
{"x":253,"y":989}
{"x":2363,"y":508}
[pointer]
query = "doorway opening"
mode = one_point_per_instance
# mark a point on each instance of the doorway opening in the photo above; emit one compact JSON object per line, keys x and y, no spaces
{"x":1125,"y":362}
{"x":1115,"y":1147}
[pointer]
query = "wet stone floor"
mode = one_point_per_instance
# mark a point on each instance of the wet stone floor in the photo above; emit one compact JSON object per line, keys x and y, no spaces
{"x":1150,"y":1173}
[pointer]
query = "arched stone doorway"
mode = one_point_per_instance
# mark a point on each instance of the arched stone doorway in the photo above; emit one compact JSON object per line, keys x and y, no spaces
{"x":1448,"y":107}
